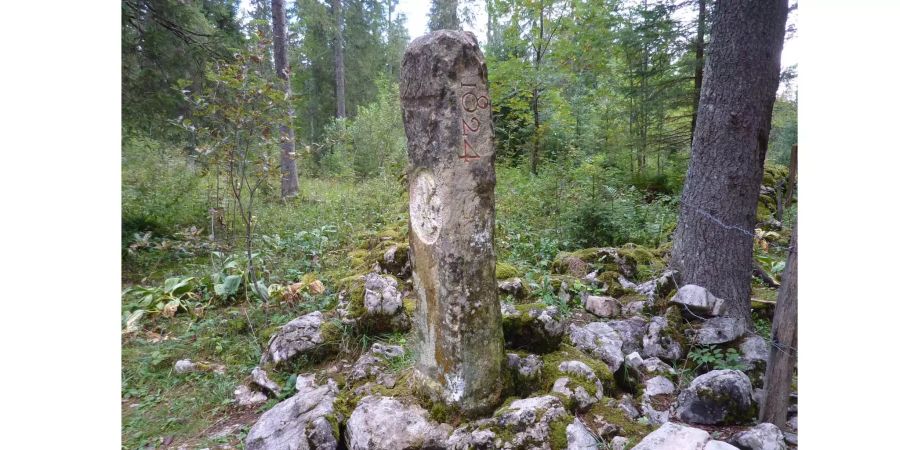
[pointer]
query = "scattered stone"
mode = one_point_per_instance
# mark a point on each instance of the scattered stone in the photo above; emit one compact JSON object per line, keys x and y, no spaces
{"x":698,"y":300}
{"x":443,"y":85}
{"x":530,"y":421}
{"x":534,"y":327}
{"x":634,"y":360}
{"x":660,"y":342}
{"x":602,"y":306}
{"x":579,"y":438}
{"x":656,"y":401}
{"x":299,"y":423}
{"x":183,"y":366}
{"x":384,"y":423}
{"x":658,"y":287}
{"x":672,"y":436}
{"x":764,"y":436}
{"x":244,"y":396}
{"x":656,"y":366}
{"x":634,"y":307}
{"x":373,"y":365}
{"x":581,"y":398}
{"x":599,"y":340}
{"x":260,"y":379}
{"x":716,"y":397}
{"x":464,"y":438}
{"x":619,"y":443}
{"x":527,"y":368}
{"x":719,"y":445}
{"x":305,"y":382}
{"x":718,"y":330}
{"x":396,"y":260}
{"x":300,"y":336}
{"x":513,"y":286}
{"x":754,"y":351}
{"x":626,"y":404}
{"x":791,"y":438}
{"x":632,"y":331}
{"x":792,"y":423}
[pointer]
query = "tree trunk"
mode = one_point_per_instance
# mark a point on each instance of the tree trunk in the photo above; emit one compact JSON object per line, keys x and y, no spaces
{"x":698,"y":64}
{"x":783,"y":349}
{"x":713,"y":244}
{"x":289,"y":183}
{"x":536,"y":92}
{"x":340,"y":97}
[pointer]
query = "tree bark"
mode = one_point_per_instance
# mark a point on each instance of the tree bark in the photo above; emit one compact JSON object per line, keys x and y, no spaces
{"x":713,"y":244}
{"x":339,"y":89}
{"x":290,"y":185}
{"x":698,"y":64}
{"x":536,"y":92}
{"x":783,"y":349}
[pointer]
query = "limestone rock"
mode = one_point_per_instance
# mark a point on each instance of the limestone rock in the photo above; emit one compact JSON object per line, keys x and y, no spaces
{"x":384,"y":423}
{"x":260,"y":379}
{"x":244,"y":396}
{"x":599,"y":340}
{"x":716,"y":397}
{"x":535,"y":327}
{"x":672,"y":436}
{"x":656,"y":401}
{"x":465,"y":438}
{"x":634,"y":361}
{"x":579,"y":396}
{"x":183,"y":366}
{"x":530,"y":420}
{"x":395,"y":260}
{"x":373,"y":365}
{"x":602,"y":306}
{"x":659,"y":341}
{"x":300,"y":336}
{"x":656,"y":366}
{"x":513,"y":286}
{"x":764,"y":436}
{"x":527,"y":368}
{"x":754,"y":351}
{"x":626,"y":405}
{"x":581,"y":370}
{"x":299,"y":423}
{"x":719,"y":445}
{"x":632,"y":331}
{"x":619,"y":443}
{"x":657,"y":287}
{"x":578,"y":437}
{"x":718,"y":330}
{"x":698,"y":300}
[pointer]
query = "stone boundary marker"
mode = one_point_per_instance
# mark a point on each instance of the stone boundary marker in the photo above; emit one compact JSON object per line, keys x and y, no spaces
{"x":447,"y":117}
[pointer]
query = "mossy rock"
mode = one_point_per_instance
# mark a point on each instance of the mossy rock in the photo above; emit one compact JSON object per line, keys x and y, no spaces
{"x":613,"y":288}
{"x":762,"y":213}
{"x":550,"y":372}
{"x":610,"y":413}
{"x":556,"y":282}
{"x":773,"y":174}
{"x":640,"y":254}
{"x":524,"y":331}
{"x":506,"y":270}
{"x":575,"y":261}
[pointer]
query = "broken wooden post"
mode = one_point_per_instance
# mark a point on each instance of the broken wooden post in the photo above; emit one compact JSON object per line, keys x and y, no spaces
{"x":447,"y":117}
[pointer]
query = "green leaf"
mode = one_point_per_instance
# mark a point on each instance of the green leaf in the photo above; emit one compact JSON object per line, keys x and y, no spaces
{"x":229,"y":286}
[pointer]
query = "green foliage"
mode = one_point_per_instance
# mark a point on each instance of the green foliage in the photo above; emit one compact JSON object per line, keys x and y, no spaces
{"x":714,"y":358}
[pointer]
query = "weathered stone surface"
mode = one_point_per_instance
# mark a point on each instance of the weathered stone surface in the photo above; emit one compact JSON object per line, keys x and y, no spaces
{"x":600,"y":340}
{"x":244,"y":396}
{"x":513,"y":286}
{"x":578,"y":437}
{"x":396,"y":260}
{"x":672,"y":436}
{"x":754,"y":351}
{"x":764,"y":436}
{"x":465,"y":438}
{"x":535,"y":327}
{"x":718,"y":330}
{"x":447,"y":118}
{"x":698,"y":300}
{"x":602,"y":306}
{"x":659,"y":341}
{"x":656,"y":401}
{"x":384,"y":423}
{"x":626,"y":405}
{"x":657,"y":287}
{"x":260,"y":379}
{"x":716,"y":397}
{"x":634,"y":361}
{"x":530,"y":421}
{"x":185,"y":366}
{"x":578,"y":395}
{"x":656,"y":366}
{"x":298,"y":423}
{"x":299,"y":336}
{"x":527,"y":368}
{"x":719,"y":445}
{"x":632,"y":331}
{"x":373,"y":365}
{"x":618,"y":443}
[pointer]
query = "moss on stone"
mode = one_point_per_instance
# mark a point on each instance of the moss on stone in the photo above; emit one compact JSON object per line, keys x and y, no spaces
{"x":506,"y":270}
{"x":558,"y":438}
{"x":409,"y":305}
{"x":773,"y":174}
{"x":613,"y":287}
{"x":632,"y":430}
{"x":551,"y":372}
{"x":762,"y":213}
